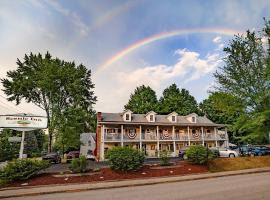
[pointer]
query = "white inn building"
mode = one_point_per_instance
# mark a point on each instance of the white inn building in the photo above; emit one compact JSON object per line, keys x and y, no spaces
{"x":153,"y":133}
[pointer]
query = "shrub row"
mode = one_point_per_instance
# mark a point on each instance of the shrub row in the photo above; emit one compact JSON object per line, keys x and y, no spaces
{"x":21,"y":169}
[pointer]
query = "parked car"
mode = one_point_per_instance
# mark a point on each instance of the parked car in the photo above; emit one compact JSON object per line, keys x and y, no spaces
{"x":52,"y":157}
{"x":72,"y":154}
{"x":90,"y":155}
{"x":260,"y":151}
{"x":225,"y":152}
{"x":245,"y":150}
{"x":181,"y":154}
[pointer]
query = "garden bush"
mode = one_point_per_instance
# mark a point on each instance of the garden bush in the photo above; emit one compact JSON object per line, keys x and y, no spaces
{"x":164,"y":158}
{"x":21,"y":169}
{"x":79,"y":165}
{"x":125,"y":158}
{"x":199,"y":154}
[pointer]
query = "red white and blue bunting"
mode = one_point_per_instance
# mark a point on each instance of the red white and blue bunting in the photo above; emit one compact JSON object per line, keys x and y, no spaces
{"x":165,"y":135}
{"x":196,"y":135}
{"x":132,"y":134}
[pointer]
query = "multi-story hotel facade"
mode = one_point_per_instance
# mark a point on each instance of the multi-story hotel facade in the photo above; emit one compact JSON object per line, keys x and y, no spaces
{"x":153,"y":133}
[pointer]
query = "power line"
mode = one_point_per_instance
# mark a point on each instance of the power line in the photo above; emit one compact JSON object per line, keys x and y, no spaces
{"x":17,"y":109}
{"x":16,"y":106}
{"x":7,"y":108}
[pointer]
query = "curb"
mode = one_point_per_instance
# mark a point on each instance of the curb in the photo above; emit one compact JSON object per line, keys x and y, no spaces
{"x":132,"y":183}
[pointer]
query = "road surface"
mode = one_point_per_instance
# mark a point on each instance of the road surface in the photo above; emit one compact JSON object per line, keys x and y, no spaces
{"x":247,"y":187}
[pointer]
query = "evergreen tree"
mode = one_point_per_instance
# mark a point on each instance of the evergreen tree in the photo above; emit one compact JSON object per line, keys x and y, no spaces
{"x":177,"y":100}
{"x":143,"y":100}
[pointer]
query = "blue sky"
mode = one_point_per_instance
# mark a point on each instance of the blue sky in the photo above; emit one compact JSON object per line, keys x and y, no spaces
{"x":91,"y":32}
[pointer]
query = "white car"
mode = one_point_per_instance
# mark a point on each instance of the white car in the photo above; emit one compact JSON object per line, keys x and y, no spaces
{"x":224,"y":152}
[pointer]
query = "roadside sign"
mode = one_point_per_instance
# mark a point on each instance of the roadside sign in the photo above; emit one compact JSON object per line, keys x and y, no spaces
{"x":15,"y":139}
{"x":23,"y":122}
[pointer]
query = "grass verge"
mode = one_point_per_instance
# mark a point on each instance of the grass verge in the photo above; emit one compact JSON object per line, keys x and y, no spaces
{"x":231,"y":164}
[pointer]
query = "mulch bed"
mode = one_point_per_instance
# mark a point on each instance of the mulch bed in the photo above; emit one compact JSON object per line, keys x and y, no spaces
{"x":106,"y":174}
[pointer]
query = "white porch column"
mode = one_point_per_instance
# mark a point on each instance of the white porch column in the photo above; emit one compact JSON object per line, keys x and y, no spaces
{"x":122,"y":135}
{"x":140,"y":137}
{"x":216,"y":136}
{"x":102,"y":143}
{"x":174,"y":145}
{"x":202,"y":136}
{"x":158,"y":140}
{"x":188,"y":136}
{"x":227,"y":138}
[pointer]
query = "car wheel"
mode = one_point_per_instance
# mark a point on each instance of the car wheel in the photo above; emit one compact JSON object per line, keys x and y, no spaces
{"x":231,"y":155}
{"x":260,"y":154}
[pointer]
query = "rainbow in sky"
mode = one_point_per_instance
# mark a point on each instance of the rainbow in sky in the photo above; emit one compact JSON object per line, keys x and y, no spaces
{"x":161,"y":36}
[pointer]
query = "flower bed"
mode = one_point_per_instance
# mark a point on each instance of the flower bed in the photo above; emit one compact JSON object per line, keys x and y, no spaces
{"x":107,"y":174}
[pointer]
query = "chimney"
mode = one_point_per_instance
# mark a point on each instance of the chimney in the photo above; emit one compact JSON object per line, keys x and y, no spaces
{"x":99,"y":117}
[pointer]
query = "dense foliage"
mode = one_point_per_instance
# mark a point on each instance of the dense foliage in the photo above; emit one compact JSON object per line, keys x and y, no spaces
{"x":245,"y":76}
{"x":175,"y":100}
{"x":21,"y":169}
{"x":79,"y":165}
{"x":125,"y":158}
{"x":8,"y":150}
{"x":143,"y":100}
{"x":53,"y":85}
{"x":35,"y":143}
{"x":199,"y":154}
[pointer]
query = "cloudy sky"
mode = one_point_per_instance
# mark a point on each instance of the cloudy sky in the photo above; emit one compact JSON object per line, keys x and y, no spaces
{"x":127,"y":43}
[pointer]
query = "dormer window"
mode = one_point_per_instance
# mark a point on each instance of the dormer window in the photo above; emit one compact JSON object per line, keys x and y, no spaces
{"x":192,"y":118}
{"x":172,"y":117}
{"x":151,"y":116}
{"x":127,"y":117}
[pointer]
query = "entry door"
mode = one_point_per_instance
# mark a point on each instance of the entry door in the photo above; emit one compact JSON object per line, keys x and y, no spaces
{"x":144,"y":148}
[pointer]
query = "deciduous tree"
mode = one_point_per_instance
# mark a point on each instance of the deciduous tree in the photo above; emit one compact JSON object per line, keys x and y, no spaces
{"x":51,"y":84}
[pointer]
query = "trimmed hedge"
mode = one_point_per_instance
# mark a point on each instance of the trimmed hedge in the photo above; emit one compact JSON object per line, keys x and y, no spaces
{"x":164,"y":158}
{"x":199,"y":154}
{"x":21,"y":169}
{"x":125,"y":158}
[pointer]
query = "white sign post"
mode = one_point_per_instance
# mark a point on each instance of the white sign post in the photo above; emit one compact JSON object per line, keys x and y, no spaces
{"x":23,"y":122}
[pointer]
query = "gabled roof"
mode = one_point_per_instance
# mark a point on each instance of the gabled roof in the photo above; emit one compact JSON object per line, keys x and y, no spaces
{"x":191,"y":114}
{"x":150,"y":112}
{"x":172,"y":113}
{"x":160,"y":120}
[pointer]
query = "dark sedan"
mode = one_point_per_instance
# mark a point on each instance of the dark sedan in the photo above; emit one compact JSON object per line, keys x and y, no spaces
{"x":260,"y":151}
{"x":52,"y":157}
{"x":72,"y":154}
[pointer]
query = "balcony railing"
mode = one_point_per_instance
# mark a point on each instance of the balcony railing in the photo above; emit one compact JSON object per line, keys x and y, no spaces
{"x":149,"y":136}
{"x":209,"y":136}
{"x":112,"y":136}
{"x":181,"y":137}
{"x":221,"y":136}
